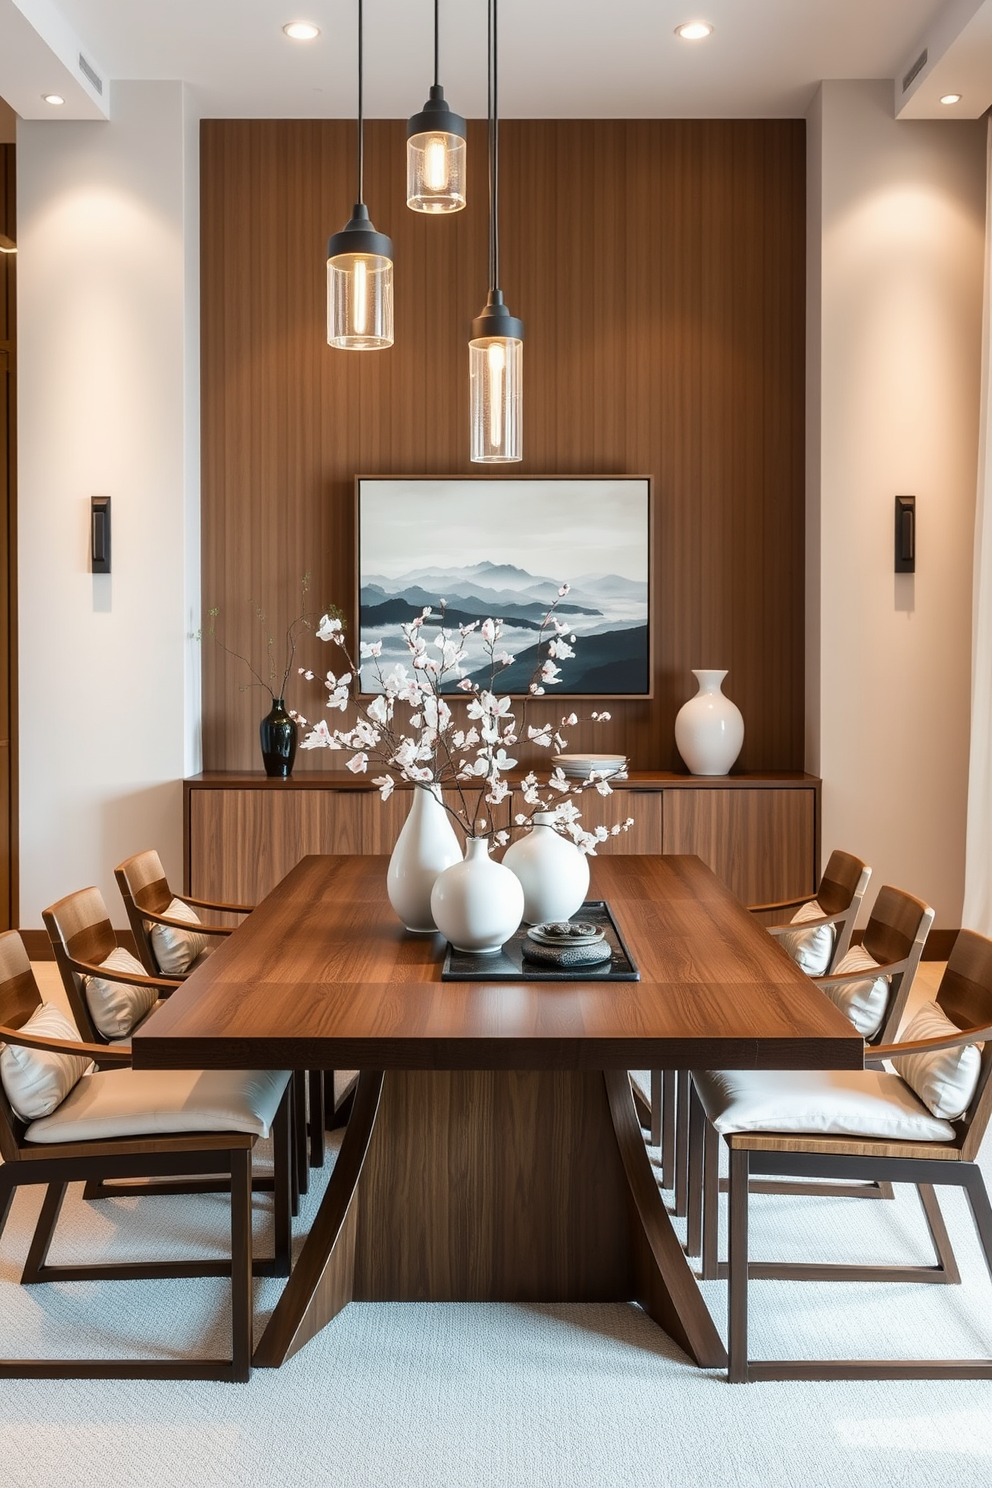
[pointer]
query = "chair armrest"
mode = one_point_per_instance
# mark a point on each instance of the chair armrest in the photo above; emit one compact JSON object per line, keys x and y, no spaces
{"x":865,"y":974}
{"x":111,"y":974}
{"x":160,"y":919}
{"x":216,"y":904}
{"x":780,"y":904}
{"x":99,"y":1053}
{"x":927,"y":1046}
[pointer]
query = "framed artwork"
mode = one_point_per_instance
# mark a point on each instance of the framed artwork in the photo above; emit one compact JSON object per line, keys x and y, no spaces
{"x":501,"y":548}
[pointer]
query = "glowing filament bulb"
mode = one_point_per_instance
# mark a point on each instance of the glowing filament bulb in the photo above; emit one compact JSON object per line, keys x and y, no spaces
{"x":359,"y":299}
{"x":436,"y":164}
{"x":496,"y":353}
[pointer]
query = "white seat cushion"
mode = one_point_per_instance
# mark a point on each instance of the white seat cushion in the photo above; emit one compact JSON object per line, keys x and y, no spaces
{"x":810,"y":949}
{"x":175,"y":950}
{"x":945,"y":1079}
{"x":135,"y":1103}
{"x":34,"y":1080}
{"x":855,"y":1103}
{"x":864,"y":1003}
{"x":117,"y":1007}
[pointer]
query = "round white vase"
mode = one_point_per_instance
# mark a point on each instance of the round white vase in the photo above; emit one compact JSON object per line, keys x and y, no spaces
{"x":427,"y":844}
{"x":709,"y":729}
{"x":477,"y":904}
{"x":553,"y":874}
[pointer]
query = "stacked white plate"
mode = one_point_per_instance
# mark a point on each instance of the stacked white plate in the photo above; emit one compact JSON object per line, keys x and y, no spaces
{"x":581,"y":766}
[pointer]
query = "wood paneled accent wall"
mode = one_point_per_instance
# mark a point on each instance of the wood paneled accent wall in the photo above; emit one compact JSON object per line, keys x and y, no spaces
{"x":659,"y":267}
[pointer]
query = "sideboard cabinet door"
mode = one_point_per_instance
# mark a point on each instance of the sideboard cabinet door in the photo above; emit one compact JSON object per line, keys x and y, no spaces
{"x":242,"y":842}
{"x":762,"y":843}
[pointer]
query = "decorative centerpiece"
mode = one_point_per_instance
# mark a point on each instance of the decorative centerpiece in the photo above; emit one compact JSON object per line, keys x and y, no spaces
{"x":462,"y":771}
{"x":278,"y":730}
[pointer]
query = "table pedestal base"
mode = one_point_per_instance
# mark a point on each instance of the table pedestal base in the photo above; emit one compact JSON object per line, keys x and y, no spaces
{"x":492,"y":1186}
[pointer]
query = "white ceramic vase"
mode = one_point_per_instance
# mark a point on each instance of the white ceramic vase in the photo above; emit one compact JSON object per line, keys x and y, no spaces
{"x":426,"y":845}
{"x":709,"y":729}
{"x":477,"y":904}
{"x":553,"y":874}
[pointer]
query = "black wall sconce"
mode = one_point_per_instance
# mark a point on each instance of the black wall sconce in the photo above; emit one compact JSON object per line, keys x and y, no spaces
{"x":100,"y":534}
{"x":905,"y":534}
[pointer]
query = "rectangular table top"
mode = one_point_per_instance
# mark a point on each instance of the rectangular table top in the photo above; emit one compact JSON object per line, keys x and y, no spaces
{"x":322,"y":975}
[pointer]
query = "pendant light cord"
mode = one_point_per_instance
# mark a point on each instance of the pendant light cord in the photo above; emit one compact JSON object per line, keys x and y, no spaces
{"x":361,"y":110}
{"x":493,"y":149}
{"x":437,"y":66}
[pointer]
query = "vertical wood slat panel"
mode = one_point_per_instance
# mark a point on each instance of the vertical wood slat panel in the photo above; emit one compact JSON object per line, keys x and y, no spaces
{"x":665,"y":335}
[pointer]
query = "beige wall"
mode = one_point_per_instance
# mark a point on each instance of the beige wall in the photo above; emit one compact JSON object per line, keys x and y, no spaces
{"x":107,"y":309}
{"x":896,"y":233}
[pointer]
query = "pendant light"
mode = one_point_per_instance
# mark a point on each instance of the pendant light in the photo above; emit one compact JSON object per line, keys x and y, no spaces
{"x":496,"y":349}
{"x":435,"y":150}
{"x":360,"y":263}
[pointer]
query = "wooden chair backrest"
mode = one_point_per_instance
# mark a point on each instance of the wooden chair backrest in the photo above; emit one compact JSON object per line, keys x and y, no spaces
{"x":897,"y":930}
{"x":19,"y":998}
{"x":839,"y":882}
{"x":143,"y":885}
{"x":842,"y":890}
{"x":965,"y":997}
{"x":79,"y":928}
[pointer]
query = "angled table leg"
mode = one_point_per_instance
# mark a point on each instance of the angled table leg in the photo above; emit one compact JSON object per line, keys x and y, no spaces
{"x":492,"y":1185}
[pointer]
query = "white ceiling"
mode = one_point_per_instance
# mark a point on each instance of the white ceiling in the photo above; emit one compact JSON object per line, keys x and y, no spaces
{"x":558,"y":58}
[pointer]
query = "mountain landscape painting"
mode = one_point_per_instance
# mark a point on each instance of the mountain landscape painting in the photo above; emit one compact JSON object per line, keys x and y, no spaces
{"x":501,"y":549}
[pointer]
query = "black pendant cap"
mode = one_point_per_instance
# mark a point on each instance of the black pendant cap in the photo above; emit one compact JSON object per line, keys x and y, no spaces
{"x":436,"y":115}
{"x":359,"y":236}
{"x":496,"y":320}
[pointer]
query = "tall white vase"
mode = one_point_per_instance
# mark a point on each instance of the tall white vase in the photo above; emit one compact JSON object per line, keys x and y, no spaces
{"x":553,"y":873}
{"x":477,"y":904}
{"x":426,"y":845}
{"x":709,"y":729}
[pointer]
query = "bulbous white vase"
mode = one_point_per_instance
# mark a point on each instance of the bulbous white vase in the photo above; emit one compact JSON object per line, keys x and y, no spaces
{"x":477,"y":904}
{"x":426,"y":845}
{"x":709,"y":729}
{"x":553,"y":873}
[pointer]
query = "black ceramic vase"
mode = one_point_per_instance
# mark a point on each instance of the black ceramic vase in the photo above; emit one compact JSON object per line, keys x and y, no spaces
{"x":277,"y":732}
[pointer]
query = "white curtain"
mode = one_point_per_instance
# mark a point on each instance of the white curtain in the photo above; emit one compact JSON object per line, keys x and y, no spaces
{"x":977,"y":913}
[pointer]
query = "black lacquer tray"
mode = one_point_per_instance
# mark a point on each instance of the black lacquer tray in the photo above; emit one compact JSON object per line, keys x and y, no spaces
{"x":508,"y":965}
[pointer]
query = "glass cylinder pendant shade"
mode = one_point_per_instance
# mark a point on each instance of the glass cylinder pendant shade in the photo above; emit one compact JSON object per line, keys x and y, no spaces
{"x":496,"y":372}
{"x":436,"y":157}
{"x":359,"y":287}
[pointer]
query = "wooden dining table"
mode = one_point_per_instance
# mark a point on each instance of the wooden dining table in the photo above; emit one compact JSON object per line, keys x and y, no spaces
{"x":494,"y":1151}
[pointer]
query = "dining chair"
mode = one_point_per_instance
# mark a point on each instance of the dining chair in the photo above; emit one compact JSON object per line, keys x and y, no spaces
{"x":818,"y":937}
{"x":921,"y":1124}
{"x":874,"y":997}
{"x":173,"y":941}
{"x":73,"y":1110}
{"x":110,"y":996}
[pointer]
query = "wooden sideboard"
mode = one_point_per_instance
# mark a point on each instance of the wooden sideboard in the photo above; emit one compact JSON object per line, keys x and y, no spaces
{"x":759,"y":833}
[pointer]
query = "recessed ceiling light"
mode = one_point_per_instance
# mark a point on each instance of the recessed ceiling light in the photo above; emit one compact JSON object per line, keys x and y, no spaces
{"x":694,"y":30}
{"x":55,"y":99}
{"x":301,"y":30}
{"x":951,"y":98}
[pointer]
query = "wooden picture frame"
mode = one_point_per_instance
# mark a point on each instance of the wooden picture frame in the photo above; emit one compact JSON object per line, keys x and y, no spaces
{"x":500,"y":547}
